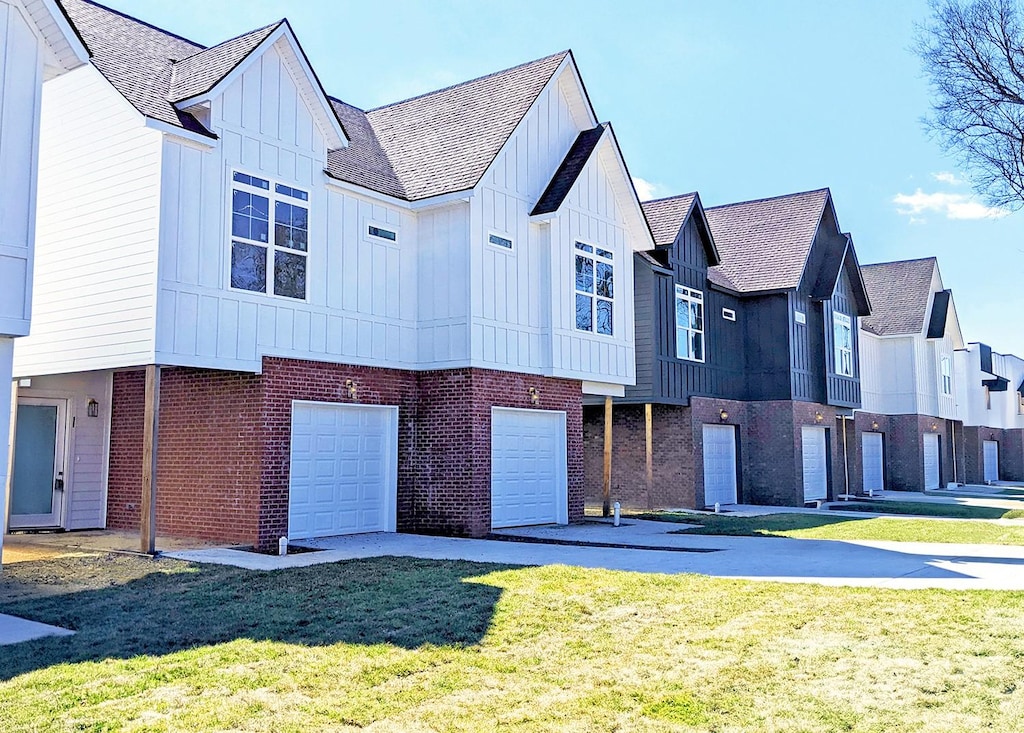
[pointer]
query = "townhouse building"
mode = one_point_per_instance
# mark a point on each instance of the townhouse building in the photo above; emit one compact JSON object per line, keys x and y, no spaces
{"x":319,"y":319}
{"x":747,"y":358}
{"x":36,"y":43}
{"x":990,"y":388}
{"x":905,"y":436}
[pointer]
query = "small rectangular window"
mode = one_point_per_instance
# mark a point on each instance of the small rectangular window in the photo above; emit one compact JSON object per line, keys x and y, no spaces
{"x":947,"y":377}
{"x":584,"y":247}
{"x":728,"y":314}
{"x":251,"y":180}
{"x":500,"y":241}
{"x":799,"y":316}
{"x":381,"y":233}
{"x":689,"y":324}
{"x":293,"y":192}
{"x":605,"y":253}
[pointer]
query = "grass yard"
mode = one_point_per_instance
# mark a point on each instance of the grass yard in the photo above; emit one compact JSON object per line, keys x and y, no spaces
{"x":824,"y":527}
{"x":407,"y":645}
{"x":923,"y":509}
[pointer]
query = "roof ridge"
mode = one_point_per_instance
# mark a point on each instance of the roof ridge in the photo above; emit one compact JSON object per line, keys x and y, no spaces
{"x":132,"y":18}
{"x":824,"y":189}
{"x":470,"y":81}
{"x":670,"y":198}
{"x":932,"y":258}
{"x":273,"y":25}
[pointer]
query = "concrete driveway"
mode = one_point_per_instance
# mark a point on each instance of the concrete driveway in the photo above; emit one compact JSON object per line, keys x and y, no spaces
{"x":598,"y":545}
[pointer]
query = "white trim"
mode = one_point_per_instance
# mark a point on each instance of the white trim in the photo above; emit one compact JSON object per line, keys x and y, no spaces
{"x":186,"y":136}
{"x":574,"y":292}
{"x":690,"y":296}
{"x":729,"y":314}
{"x":800,"y":317}
{"x":606,"y":389}
{"x":841,"y":320}
{"x":61,"y":449}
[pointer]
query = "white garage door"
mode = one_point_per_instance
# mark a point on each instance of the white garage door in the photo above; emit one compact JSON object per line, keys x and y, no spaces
{"x":991,"y":456}
{"x":815,"y":464}
{"x":931,"y":461}
{"x":719,"y":464}
{"x":871,"y":459}
{"x":528,"y":468}
{"x":344,"y":475}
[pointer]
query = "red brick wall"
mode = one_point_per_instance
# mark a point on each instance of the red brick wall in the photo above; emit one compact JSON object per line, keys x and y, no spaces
{"x":1011,"y":453}
{"x":225,"y":442}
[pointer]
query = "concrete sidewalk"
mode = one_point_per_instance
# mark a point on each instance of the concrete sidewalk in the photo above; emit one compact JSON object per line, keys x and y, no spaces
{"x":826,"y":562}
{"x":14,"y":630}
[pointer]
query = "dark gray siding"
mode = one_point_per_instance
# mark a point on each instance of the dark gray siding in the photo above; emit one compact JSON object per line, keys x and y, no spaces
{"x":766,"y":328}
{"x":643,"y":303}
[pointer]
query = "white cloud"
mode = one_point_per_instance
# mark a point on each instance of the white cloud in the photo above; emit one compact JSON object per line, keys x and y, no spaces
{"x":647,"y":190}
{"x":952,"y":205}
{"x":947,"y":177}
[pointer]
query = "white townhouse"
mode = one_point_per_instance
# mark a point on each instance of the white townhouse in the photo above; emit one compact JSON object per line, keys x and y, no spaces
{"x":36,"y":43}
{"x":991,"y":389}
{"x":333,"y":320}
{"x":908,"y":435}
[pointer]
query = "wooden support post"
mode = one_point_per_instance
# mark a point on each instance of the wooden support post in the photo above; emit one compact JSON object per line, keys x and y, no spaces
{"x":147,"y":531}
{"x":606,"y":482}
{"x":649,"y":453}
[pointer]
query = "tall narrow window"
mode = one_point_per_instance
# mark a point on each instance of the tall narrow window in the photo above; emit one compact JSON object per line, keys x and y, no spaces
{"x":843,"y":340}
{"x":689,"y":324}
{"x":947,"y":377}
{"x":268,"y":255}
{"x":594,"y":286}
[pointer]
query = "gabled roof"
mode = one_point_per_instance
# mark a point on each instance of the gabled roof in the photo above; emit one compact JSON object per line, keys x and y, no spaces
{"x":200,"y":72}
{"x":66,"y":47}
{"x":900,"y":293}
{"x":764,"y":244}
{"x":667,"y":216}
{"x":573,"y":164}
{"x":444,"y":141}
{"x":363,"y":162}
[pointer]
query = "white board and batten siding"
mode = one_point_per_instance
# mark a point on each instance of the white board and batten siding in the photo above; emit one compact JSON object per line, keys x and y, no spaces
{"x":21,"y":77}
{"x":442,"y":261}
{"x":87,"y":443}
{"x":522,"y":299}
{"x":96,"y":237}
{"x":360,"y":304}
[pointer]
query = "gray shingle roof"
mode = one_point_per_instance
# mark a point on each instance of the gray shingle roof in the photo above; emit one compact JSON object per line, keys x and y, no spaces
{"x":575,"y":160}
{"x":764,"y":243}
{"x":666,"y":216}
{"x":136,"y":58}
{"x":900,"y":293}
{"x":443,"y":141}
{"x":201,"y":71}
{"x":363,"y":162}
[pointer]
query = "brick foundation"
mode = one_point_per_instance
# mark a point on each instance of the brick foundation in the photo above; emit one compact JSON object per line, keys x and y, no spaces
{"x":224,"y":444}
{"x":770,"y":467}
{"x":903,"y":449}
{"x":1011,"y":453}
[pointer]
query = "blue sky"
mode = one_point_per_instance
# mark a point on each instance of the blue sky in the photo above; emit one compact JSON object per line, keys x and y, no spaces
{"x":737,"y":100}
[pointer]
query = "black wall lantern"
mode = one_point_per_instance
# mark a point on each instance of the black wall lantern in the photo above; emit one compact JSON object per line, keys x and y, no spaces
{"x":92,"y":409}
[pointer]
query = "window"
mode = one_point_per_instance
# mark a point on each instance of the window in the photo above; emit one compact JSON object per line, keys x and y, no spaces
{"x":728,"y":314}
{"x":381,"y":233}
{"x":594,"y":289}
{"x":268,"y":255}
{"x":500,"y":241}
{"x":843,"y":342}
{"x":947,"y":377}
{"x":689,"y":324}
{"x":988,"y":398}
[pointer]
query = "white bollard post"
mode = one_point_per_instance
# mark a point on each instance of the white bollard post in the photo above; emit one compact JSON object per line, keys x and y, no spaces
{"x":718,"y":507}
{"x":282,"y":546}
{"x":617,"y":507}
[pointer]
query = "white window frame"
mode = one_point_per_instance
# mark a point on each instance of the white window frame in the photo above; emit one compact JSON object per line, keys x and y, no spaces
{"x":579,"y":250}
{"x":376,"y":238}
{"x":693,"y":299}
{"x":272,"y":247}
{"x":729,"y":314}
{"x":946,"y":375}
{"x":843,"y":354}
{"x":800,"y":317}
{"x":500,"y":247}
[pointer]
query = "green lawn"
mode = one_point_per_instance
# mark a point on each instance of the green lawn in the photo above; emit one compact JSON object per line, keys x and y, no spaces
{"x":409,"y":645}
{"x":825,"y":527}
{"x":922,"y":509}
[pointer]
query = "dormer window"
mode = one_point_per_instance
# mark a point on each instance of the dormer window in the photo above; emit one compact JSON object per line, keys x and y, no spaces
{"x":947,"y":376}
{"x":842,"y":333}
{"x":689,"y":324}
{"x":268,"y":255}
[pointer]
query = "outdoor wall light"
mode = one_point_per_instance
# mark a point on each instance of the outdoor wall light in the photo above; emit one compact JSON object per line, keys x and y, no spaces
{"x":92,"y":408}
{"x":874,"y":425}
{"x":350,"y":385}
{"x":935,"y":426}
{"x":534,"y":395}
{"x":818,"y":417}
{"x":723,"y":415}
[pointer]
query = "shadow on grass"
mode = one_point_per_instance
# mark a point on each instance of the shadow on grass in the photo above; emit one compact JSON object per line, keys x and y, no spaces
{"x":155,"y":607}
{"x":765,"y":525}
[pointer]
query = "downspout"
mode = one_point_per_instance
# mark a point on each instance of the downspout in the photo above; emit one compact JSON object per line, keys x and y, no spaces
{"x":952,"y":440}
{"x":846,"y":460}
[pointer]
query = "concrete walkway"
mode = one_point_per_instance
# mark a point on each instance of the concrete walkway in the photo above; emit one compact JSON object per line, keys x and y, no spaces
{"x":14,"y":630}
{"x":827,"y":562}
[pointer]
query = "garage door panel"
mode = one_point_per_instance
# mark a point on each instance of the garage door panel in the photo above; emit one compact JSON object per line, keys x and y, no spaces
{"x":872,"y":460}
{"x":990,"y":460}
{"x":719,"y":451}
{"x":815,"y":463}
{"x":528,"y":467}
{"x":343,"y":475}
{"x":931,"y":461}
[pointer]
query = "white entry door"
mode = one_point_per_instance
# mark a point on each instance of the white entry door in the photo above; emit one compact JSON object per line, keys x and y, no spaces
{"x":344,"y":476}
{"x":931,"y":461}
{"x":990,"y":450}
{"x":37,"y":478}
{"x":528,"y":468}
{"x":815,"y":464}
{"x":872,"y":462}
{"x":719,"y":464}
